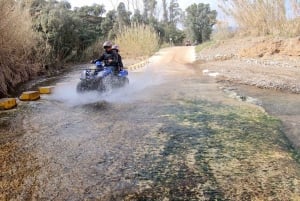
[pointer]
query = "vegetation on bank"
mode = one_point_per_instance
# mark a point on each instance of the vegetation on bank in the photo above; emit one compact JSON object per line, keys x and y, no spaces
{"x":139,"y":40}
{"x":204,"y":45}
{"x":39,"y":36}
{"x":261,"y":18}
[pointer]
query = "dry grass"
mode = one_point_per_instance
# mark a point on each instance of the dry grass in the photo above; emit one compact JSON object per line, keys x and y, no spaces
{"x":17,"y":36}
{"x":223,"y":31}
{"x":264,"y":17}
{"x":18,"y":42}
{"x":137,"y":41}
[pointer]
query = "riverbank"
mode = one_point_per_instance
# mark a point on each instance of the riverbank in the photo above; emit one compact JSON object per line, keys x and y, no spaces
{"x":269,"y":63}
{"x":15,"y":79}
{"x":265,"y":71}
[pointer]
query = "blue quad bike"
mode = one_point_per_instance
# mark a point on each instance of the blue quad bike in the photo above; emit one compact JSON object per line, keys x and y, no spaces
{"x":101,"y":79}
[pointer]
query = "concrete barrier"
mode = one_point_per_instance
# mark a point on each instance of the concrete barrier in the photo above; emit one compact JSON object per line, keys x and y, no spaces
{"x":30,"y":96}
{"x":46,"y":90}
{"x":7,"y":103}
{"x":138,"y":65}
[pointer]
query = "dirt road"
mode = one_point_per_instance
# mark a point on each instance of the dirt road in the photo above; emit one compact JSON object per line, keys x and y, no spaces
{"x":170,"y":135}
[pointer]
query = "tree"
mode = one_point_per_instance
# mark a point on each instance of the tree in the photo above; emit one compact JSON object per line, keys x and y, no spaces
{"x":123,"y":16}
{"x":149,"y":9}
{"x":199,"y":21}
{"x":90,"y":18}
{"x":94,"y":10}
{"x":175,"y":12}
{"x":68,"y":33}
{"x":108,"y":24}
{"x":172,"y":32}
{"x":165,"y":11}
{"x":59,"y":30}
{"x":137,"y":17}
{"x":64,"y":4}
{"x":146,"y":10}
{"x":99,"y":10}
{"x":152,"y":7}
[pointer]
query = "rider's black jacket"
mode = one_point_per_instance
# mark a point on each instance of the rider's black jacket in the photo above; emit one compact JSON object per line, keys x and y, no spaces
{"x":120,"y":63}
{"x":110,"y":58}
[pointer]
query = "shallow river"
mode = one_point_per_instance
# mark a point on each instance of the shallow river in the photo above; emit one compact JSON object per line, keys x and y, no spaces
{"x":172,"y":134}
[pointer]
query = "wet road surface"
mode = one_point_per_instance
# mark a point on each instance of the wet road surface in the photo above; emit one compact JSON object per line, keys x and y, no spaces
{"x":172,"y":134}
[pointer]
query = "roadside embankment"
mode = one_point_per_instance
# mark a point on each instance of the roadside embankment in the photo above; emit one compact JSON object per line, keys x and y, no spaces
{"x":271,"y":63}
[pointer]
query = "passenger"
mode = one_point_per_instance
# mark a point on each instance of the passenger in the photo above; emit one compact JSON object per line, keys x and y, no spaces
{"x":120,"y":63}
{"x":109,"y":57}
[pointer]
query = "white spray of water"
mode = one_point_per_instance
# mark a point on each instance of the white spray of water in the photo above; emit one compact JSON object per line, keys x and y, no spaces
{"x":140,"y":81}
{"x":66,"y":92}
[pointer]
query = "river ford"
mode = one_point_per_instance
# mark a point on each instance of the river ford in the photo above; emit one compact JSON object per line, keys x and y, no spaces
{"x":172,"y":134}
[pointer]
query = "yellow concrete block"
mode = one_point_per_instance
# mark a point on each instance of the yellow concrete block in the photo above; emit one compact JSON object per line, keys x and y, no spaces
{"x":138,"y":65}
{"x":8,"y":103}
{"x":46,"y":90}
{"x":30,"y":96}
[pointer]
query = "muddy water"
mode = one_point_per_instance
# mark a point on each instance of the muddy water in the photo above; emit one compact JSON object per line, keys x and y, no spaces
{"x":170,"y":135}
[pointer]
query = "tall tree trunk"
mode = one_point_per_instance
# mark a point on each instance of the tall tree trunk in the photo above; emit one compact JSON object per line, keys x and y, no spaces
{"x":165,"y":11}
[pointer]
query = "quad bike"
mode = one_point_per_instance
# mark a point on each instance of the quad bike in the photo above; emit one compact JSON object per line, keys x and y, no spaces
{"x":101,"y":79}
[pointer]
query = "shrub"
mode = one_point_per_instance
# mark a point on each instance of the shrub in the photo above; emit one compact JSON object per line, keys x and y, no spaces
{"x":93,"y":51}
{"x":137,"y":41}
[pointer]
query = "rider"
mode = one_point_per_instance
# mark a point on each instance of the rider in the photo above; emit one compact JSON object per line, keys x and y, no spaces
{"x":120,"y":63}
{"x":109,"y":57}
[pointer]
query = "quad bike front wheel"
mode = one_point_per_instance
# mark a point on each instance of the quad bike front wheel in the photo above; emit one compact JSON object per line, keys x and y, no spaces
{"x":101,"y":86}
{"x":82,"y":87}
{"x":125,"y":81}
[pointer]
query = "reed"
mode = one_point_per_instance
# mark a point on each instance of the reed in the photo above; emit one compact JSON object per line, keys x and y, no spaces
{"x":137,"y":41}
{"x":264,"y":17}
{"x":19,"y":46}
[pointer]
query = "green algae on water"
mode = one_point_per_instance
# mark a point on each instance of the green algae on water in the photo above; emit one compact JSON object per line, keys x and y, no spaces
{"x":221,"y":152}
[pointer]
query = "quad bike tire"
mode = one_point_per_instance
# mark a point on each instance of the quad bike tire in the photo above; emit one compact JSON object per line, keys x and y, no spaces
{"x":121,"y":81}
{"x":125,"y":81}
{"x":82,"y":87}
{"x":101,"y":86}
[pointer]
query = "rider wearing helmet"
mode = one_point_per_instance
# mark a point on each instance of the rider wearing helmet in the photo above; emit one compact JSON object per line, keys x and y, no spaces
{"x":120,"y":63}
{"x":109,"y":57}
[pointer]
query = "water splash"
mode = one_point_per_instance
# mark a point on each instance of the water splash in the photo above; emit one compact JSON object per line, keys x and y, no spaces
{"x":66,"y":92}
